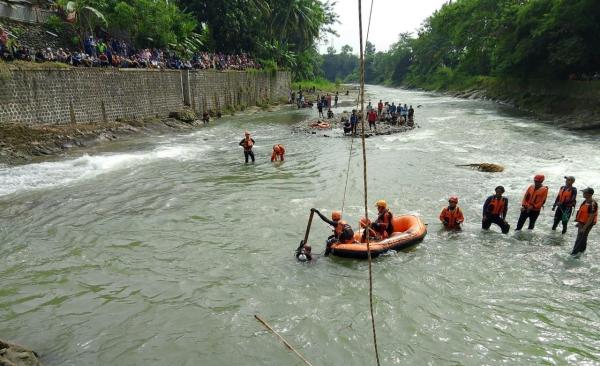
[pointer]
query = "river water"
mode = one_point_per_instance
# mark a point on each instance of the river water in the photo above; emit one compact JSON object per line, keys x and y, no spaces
{"x":160,"y":251}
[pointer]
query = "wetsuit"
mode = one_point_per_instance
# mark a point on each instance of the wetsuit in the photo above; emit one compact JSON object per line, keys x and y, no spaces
{"x":248,"y":149}
{"x":494,"y":212}
{"x":586,"y":210}
{"x":564,"y":204}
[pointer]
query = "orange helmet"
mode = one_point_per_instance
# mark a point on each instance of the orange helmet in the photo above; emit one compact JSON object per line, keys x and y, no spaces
{"x":453,"y":199}
{"x":336,"y":215}
{"x":539,"y":178}
{"x":381,"y":203}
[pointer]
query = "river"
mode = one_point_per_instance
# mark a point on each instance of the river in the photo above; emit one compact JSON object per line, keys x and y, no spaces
{"x":159,"y":251}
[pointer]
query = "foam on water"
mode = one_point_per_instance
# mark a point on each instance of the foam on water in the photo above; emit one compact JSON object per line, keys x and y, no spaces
{"x":50,"y":174}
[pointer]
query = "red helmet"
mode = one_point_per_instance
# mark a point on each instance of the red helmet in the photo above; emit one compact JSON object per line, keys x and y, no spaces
{"x":453,"y":199}
{"x":539,"y":178}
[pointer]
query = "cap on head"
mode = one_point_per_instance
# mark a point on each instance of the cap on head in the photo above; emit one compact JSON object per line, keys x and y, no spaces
{"x":336,"y":215}
{"x":381,"y":203}
{"x":588,"y":190}
{"x":499,"y":188}
{"x":453,"y":199}
{"x":570,"y":177}
{"x":539,"y":178}
{"x":246,"y":133}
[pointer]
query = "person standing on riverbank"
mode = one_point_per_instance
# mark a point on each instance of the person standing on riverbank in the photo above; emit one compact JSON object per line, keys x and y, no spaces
{"x":372,"y":118}
{"x":247,"y":143}
{"x":533,"y":201}
{"x":587,"y":217}
{"x":494,"y":211}
{"x":337,"y":97}
{"x":564,"y":203}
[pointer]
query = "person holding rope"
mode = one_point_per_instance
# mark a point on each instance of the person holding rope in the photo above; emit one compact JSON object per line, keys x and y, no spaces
{"x":564,"y":203}
{"x":342,"y":232}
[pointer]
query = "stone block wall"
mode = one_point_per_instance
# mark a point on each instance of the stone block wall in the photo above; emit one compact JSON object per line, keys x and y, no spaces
{"x":80,"y":95}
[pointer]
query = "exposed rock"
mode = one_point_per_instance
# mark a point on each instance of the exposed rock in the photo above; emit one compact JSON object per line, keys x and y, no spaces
{"x":185,"y":115}
{"x":12,"y":354}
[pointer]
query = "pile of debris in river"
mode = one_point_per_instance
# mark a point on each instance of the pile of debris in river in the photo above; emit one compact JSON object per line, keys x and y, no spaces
{"x":334,"y":127}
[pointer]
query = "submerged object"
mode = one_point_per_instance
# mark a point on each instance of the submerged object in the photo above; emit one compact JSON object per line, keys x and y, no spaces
{"x":409,"y":230}
{"x":485,"y":167}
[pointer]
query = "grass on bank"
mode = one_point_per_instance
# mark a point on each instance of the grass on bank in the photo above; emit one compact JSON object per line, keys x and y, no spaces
{"x":321,"y":84}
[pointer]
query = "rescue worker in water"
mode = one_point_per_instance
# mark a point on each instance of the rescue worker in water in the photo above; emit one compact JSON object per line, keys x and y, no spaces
{"x":587,"y":217}
{"x":342,"y":232}
{"x":278,"y":152}
{"x":382,"y":228}
{"x":452,"y":216}
{"x":494,"y":211}
{"x":564,"y":203}
{"x":247,"y":143}
{"x":533,"y":201}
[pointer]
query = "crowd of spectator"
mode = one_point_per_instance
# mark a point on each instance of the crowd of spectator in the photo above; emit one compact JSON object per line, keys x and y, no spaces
{"x":118,"y":53}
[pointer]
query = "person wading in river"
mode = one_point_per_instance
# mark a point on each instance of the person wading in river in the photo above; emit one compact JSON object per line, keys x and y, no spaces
{"x":587,"y":217}
{"x":342,"y":232}
{"x":452,"y":216}
{"x":494,"y":211}
{"x":564,"y":203}
{"x":278,"y":152}
{"x":247,"y":143}
{"x":533,"y":201}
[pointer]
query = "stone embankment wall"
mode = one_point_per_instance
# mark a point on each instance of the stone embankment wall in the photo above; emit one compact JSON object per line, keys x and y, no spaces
{"x":99,"y":95}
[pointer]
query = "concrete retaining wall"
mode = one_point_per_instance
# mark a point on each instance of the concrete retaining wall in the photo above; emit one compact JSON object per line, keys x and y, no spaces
{"x":98,"y":95}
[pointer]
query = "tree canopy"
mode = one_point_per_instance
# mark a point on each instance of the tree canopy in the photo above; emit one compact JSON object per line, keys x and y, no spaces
{"x":505,"y":38}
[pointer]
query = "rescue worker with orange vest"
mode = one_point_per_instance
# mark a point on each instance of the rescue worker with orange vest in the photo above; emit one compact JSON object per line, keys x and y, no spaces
{"x":533,"y":201}
{"x":452,"y":216}
{"x":586,"y":218}
{"x":564,"y":203}
{"x":278,"y":152}
{"x":247,"y":143}
{"x":382,"y":228}
{"x":494,"y":211}
{"x":342,"y":232}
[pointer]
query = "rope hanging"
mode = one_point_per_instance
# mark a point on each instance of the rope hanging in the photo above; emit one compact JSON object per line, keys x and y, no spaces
{"x":362,"y":112}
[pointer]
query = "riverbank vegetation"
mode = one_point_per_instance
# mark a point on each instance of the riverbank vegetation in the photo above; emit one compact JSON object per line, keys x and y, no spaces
{"x":276,"y":32}
{"x":468,"y":40}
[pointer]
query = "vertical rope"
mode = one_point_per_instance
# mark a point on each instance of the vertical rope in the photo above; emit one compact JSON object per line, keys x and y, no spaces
{"x":362,"y":112}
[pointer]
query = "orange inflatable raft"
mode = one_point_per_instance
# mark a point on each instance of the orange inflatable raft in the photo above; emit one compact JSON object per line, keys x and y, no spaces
{"x":409,"y":230}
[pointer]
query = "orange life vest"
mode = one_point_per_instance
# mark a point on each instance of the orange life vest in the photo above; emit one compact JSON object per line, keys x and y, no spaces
{"x":248,"y":144}
{"x":534,"y":199}
{"x":565,"y":195}
{"x":497,"y":206}
{"x":453,"y":217}
{"x":384,"y":221}
{"x":585,"y":210}
{"x":278,"y":151}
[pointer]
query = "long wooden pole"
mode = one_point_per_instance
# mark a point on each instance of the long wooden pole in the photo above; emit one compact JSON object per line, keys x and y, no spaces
{"x":287,"y":344}
{"x":364,"y":151}
{"x":308,"y":227}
